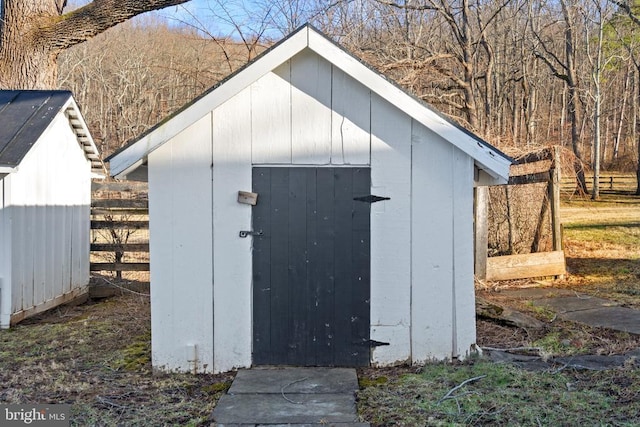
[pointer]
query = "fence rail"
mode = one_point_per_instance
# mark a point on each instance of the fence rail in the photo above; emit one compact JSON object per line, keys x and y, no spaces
{"x":611,"y":183}
{"x":119,"y":227}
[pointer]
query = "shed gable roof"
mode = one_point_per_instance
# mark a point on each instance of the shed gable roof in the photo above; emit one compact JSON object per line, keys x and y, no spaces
{"x":487,"y":158}
{"x":26,"y":114}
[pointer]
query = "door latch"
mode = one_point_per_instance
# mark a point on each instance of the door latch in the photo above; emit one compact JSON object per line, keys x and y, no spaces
{"x":245,"y":233}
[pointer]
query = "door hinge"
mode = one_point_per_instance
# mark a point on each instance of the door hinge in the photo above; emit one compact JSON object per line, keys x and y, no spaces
{"x":371,"y":198}
{"x":371,"y":343}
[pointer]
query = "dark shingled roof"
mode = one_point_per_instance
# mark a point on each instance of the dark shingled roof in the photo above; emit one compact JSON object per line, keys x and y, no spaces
{"x":26,"y":114}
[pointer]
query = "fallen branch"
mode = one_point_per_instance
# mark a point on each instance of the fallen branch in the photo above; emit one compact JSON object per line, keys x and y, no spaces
{"x":115,"y":285}
{"x":109,"y":403}
{"x":458,"y":387}
{"x":509,"y":316}
{"x":514,"y":349}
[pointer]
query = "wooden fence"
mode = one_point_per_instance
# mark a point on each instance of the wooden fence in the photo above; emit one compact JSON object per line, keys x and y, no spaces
{"x":611,"y":183}
{"x":119,"y":227}
{"x":522,"y":266}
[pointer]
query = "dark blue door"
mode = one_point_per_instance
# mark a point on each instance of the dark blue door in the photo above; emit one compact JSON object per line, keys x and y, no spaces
{"x":311,"y":267}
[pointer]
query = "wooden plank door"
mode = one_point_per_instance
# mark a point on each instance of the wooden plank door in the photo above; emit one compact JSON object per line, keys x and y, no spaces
{"x":311,"y":267}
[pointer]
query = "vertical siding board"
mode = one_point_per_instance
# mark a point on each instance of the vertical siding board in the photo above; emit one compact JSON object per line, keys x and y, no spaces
{"x":39,"y":234}
{"x":319,"y":343}
{"x":390,"y":232}
{"x":343,"y":264}
{"x":51,"y":243}
{"x":322,"y":275}
{"x":232,"y":272}
{"x":29,"y":248}
{"x":6,"y":255}
{"x":181,"y":226}
{"x":262,"y":291}
{"x":310,"y":109}
{"x":280,"y":298}
{"x":361,"y":271}
{"x":271,"y":117}
{"x":299,"y":291}
{"x":350,"y":121}
{"x":164,"y":334}
{"x":432,"y":246}
{"x":464,"y":310}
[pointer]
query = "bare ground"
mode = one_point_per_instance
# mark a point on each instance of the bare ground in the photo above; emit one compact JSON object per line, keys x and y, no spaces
{"x":96,"y":357}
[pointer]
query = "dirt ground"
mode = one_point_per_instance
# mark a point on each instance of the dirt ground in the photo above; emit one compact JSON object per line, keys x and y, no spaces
{"x":96,"y":356}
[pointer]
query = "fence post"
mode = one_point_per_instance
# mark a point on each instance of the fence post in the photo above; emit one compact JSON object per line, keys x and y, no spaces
{"x":554,"y":201}
{"x":481,"y":211}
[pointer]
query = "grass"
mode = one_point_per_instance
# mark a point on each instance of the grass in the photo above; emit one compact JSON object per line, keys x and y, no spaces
{"x":602,"y":246}
{"x":499,"y":394}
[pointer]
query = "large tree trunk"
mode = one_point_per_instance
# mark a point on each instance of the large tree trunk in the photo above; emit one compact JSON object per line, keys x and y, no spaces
{"x":34,"y":32}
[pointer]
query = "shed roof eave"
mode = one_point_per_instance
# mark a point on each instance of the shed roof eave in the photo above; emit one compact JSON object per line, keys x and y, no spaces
{"x":6,"y":170}
{"x":85,"y":140}
{"x":129,"y":170}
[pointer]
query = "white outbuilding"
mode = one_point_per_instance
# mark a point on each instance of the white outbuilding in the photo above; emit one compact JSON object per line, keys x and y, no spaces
{"x":307,"y":211}
{"x":47,"y":160}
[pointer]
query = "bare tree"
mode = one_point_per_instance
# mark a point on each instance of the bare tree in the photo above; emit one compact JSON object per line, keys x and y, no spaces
{"x":564,"y":66}
{"x":34,"y":33}
{"x":631,"y":10}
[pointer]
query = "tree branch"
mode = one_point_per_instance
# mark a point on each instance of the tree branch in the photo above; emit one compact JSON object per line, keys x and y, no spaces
{"x":77,"y":26}
{"x":627,"y":9}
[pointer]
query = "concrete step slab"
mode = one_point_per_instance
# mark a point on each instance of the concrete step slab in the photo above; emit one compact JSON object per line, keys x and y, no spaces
{"x":295,"y":380}
{"x":290,"y":408}
{"x":296,"y":425}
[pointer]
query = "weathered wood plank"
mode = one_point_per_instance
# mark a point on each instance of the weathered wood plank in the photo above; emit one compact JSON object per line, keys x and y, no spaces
{"x":529,"y":178}
{"x":117,"y":211}
{"x":544,"y":154}
{"x":526,"y":265}
{"x":507,"y":315}
{"x":481,"y":230}
{"x":120,"y":225}
{"x":124,"y":247}
{"x":120,"y":203}
{"x":122,"y":186}
{"x":112,"y":266}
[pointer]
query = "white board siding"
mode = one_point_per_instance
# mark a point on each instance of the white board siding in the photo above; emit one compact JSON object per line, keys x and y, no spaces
{"x":51,"y":188}
{"x":310,"y":109}
{"x":295,"y":119}
{"x":181,"y":250}
{"x":442,"y":243}
{"x":464,"y":309}
{"x":270,"y":113}
{"x":350,"y":120}
{"x":232,"y":254}
{"x":5,"y":255}
{"x":390,"y":232}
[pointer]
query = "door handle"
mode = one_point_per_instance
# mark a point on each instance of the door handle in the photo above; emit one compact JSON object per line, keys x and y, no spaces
{"x":245,"y":233}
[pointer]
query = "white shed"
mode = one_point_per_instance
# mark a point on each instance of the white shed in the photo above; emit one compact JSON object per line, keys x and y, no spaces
{"x":359,"y":248}
{"x":47,"y":159}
